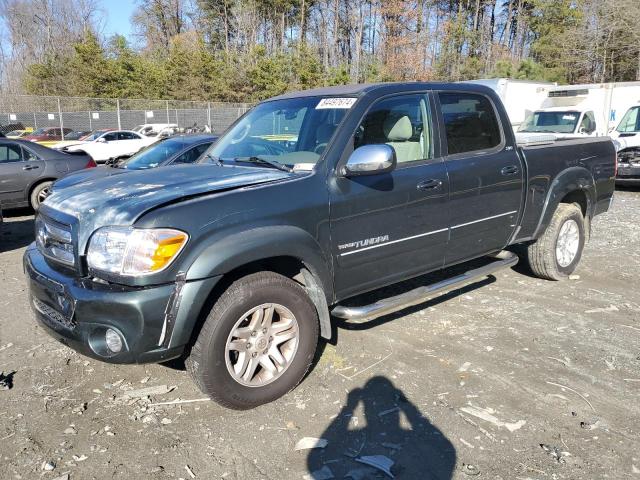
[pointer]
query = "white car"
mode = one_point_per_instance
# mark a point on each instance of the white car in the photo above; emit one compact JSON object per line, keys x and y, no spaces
{"x":111,"y":145}
{"x":152,"y":129}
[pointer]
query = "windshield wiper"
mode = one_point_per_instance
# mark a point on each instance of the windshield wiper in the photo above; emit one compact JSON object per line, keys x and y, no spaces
{"x":264,"y":161}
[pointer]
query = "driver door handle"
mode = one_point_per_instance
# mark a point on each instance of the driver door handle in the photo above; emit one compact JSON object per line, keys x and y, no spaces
{"x":30,"y":167}
{"x":431,"y":184}
{"x":510,"y":170}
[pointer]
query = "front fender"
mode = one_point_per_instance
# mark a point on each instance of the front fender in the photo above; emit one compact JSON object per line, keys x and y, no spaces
{"x":570,"y":180}
{"x":223,"y":255}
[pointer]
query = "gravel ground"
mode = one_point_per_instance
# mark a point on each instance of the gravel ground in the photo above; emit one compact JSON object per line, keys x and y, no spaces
{"x":512,"y":378}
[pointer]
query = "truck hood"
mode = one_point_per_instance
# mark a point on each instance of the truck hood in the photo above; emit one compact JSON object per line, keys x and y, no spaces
{"x":87,"y":174}
{"x":121,"y":199}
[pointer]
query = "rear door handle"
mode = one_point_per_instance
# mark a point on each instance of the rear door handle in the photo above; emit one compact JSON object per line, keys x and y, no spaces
{"x":431,"y":184}
{"x":30,"y":167}
{"x":510,"y":170}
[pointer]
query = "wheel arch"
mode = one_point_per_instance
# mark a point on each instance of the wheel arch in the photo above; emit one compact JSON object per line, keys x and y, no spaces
{"x":573,"y":185}
{"x":286,"y":250}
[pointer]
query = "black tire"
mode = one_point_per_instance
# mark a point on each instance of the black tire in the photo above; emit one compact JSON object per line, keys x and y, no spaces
{"x":207,"y":363}
{"x":541,"y":255}
{"x":37,"y":193}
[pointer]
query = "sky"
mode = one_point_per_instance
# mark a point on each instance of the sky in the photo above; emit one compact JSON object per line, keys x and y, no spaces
{"x":118,"y":16}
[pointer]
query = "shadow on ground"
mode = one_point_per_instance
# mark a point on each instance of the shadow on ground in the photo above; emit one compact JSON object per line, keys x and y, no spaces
{"x":379,"y":422}
{"x":16,"y":231}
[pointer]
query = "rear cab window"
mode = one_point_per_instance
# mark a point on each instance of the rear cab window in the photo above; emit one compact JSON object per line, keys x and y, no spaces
{"x":470,"y":122}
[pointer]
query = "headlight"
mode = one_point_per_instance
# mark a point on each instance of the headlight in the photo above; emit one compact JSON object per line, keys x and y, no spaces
{"x":132,"y":252}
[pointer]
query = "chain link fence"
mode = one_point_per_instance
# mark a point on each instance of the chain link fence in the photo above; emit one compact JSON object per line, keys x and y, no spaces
{"x":81,"y":113}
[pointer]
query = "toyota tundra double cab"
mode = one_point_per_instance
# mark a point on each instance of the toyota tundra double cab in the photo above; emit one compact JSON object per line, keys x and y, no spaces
{"x":240,"y":262}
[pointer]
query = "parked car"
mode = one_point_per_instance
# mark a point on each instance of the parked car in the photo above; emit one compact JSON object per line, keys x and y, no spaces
{"x":47,"y":135}
{"x":626,"y":138}
{"x":109,"y":145}
{"x":27,"y":171}
{"x":19,"y":133}
{"x":152,"y":129}
{"x":176,"y":150}
{"x":78,"y":138}
{"x":238,"y":263}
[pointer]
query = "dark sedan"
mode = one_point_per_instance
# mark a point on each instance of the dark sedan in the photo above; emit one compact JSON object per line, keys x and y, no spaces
{"x":177,"y":150}
{"x":27,"y":171}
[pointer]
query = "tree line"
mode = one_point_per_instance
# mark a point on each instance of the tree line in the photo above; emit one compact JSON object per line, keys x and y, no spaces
{"x":247,"y":50}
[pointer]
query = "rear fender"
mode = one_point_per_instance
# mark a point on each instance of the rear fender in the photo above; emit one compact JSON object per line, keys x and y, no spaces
{"x":574,"y":179}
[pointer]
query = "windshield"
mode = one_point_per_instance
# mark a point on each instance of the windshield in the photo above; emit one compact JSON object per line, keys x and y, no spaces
{"x":74,"y":135}
{"x":291,"y":132}
{"x":631,"y":121}
{"x":551,"y":122}
{"x":154,"y":155}
{"x":40,"y":131}
{"x":94,"y":135}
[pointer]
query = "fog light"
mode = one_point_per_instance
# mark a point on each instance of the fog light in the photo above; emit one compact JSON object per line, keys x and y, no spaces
{"x":113,"y":340}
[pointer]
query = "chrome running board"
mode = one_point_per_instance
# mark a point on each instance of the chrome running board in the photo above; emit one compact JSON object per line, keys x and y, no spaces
{"x":503,"y":259}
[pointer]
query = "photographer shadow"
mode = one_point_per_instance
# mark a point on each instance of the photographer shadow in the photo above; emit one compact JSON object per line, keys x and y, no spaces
{"x":389,"y":425}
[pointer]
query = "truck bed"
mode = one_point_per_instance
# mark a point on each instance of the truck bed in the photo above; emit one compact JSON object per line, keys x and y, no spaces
{"x":581,"y":163}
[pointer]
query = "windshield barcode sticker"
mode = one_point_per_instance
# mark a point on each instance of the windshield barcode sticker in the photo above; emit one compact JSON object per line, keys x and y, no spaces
{"x":336,"y":103}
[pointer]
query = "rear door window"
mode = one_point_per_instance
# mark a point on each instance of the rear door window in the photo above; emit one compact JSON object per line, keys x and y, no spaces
{"x":470,"y":122}
{"x":10,"y":153}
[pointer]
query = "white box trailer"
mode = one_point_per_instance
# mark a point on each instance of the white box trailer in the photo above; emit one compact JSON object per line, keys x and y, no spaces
{"x":582,"y":110}
{"x":520,"y":97}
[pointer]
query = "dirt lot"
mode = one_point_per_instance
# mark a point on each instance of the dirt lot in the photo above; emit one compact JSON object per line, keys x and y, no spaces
{"x":515,"y":378}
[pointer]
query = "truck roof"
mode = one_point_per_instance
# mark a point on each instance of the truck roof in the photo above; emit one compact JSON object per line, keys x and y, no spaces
{"x":363,"y":88}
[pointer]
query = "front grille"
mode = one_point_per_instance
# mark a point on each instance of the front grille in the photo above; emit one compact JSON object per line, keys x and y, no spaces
{"x":55,"y":241}
{"x":52,"y":315}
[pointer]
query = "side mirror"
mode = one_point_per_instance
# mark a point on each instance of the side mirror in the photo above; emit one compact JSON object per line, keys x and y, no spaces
{"x":101,"y":140}
{"x":370,"y":160}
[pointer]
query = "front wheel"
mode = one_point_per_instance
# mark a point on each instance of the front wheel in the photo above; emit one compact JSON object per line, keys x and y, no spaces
{"x":257,"y":342}
{"x":556,"y":254}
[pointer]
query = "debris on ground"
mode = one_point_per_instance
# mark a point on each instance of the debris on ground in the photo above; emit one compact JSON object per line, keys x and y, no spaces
{"x":359,"y":474}
{"x":324,"y":473}
{"x":6,"y":381}
{"x":554,"y":452}
{"x":486,"y":414}
{"x":308,"y":443}
{"x":380,"y":462}
{"x":387,"y":412}
{"x":189,"y":471}
{"x":147,"y":392}
{"x":470,"y":470}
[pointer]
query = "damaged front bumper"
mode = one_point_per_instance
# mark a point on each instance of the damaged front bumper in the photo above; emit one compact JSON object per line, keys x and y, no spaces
{"x":628,"y":174}
{"x":155,"y":323}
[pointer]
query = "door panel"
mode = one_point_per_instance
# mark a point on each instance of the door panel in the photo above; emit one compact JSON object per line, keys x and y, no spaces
{"x":16,"y":173}
{"x":390,"y":226}
{"x":485,"y":175}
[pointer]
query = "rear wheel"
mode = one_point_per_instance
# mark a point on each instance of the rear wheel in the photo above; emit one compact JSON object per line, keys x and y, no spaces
{"x":257,"y":342}
{"x":39,"y":194}
{"x":556,"y":254}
